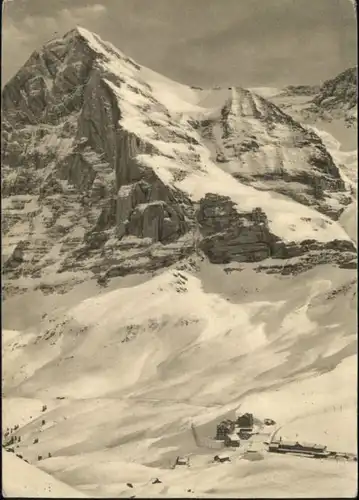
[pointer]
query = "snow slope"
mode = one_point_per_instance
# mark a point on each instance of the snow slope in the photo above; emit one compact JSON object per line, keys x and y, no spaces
{"x":348,"y":164}
{"x":24,"y":480}
{"x":138,"y":372}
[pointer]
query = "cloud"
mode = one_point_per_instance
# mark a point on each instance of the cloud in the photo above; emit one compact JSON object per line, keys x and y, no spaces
{"x":82,"y":13}
{"x":203,"y":42}
{"x":66,"y":18}
{"x":99,"y":8}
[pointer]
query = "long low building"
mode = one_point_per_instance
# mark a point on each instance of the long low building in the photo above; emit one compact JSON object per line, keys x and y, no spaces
{"x":284,"y":446}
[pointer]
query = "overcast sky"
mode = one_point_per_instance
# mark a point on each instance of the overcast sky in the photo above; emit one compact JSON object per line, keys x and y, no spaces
{"x":199,"y":42}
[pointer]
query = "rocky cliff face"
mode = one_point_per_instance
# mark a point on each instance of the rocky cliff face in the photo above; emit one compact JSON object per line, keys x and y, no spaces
{"x":262,"y":146}
{"x":338,"y":96}
{"x":68,"y":160}
{"x":102,"y":177}
{"x":229,"y":236}
{"x":334,"y":100}
{"x":232,"y":236}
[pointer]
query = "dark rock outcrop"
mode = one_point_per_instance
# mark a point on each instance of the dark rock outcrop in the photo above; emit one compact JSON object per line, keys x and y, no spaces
{"x":227,"y":235}
{"x":232,"y":236}
{"x":339,"y":92}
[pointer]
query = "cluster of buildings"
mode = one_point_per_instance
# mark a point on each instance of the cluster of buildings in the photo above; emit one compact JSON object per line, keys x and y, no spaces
{"x":231,"y":432}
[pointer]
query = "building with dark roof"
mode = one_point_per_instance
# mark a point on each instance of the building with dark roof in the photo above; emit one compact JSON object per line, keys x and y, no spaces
{"x":222,"y":458}
{"x":245,"y":421}
{"x":232,"y":440}
{"x":287,"y":446}
{"x":223,"y":428}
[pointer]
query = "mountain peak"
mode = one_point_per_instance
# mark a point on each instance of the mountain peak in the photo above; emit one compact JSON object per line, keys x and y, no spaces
{"x":92,"y":41}
{"x":117,"y":152}
{"x":58,"y":72}
{"x":78,"y":43}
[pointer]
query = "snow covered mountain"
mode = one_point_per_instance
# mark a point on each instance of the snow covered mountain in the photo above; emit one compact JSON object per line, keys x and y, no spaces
{"x":336,"y":98}
{"x":331,"y":106}
{"x":339,"y":95}
{"x":170,"y":254}
{"x":109,"y":167}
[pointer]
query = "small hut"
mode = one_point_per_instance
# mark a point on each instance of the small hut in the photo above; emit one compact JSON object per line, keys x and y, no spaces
{"x":245,"y":434}
{"x":232,"y":440}
{"x":222,"y":458}
{"x":182,"y":461}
